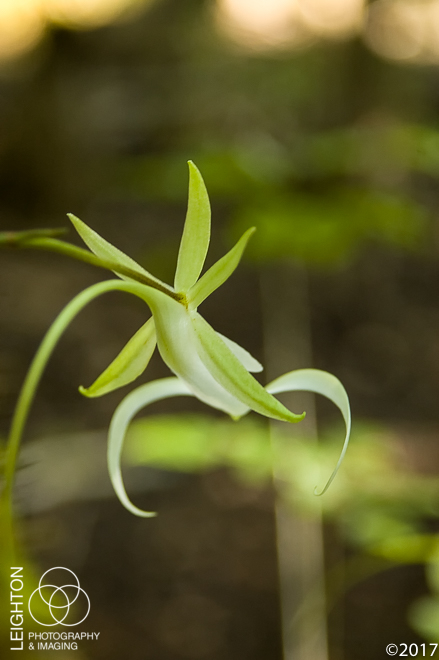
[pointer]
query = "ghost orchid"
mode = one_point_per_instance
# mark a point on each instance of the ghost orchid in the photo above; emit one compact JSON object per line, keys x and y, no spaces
{"x":206,"y":365}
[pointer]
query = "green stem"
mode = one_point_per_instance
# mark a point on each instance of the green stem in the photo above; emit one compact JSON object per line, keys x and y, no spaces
{"x":32,"y":380}
{"x":14,"y":238}
{"x":42,"y":240}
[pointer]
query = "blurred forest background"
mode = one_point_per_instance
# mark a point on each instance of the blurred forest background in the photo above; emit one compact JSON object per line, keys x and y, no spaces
{"x":317,"y":121}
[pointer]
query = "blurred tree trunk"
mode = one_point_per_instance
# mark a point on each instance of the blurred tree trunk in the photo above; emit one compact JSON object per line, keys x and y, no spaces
{"x":287,"y":342}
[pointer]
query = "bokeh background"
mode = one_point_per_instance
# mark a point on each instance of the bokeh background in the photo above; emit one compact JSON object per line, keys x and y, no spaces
{"x":317,"y":121}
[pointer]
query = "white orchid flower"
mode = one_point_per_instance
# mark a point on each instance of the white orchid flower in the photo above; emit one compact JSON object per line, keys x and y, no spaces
{"x":206,"y":364}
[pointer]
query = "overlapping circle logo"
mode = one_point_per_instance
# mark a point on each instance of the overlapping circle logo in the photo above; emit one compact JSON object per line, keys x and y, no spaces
{"x":57,"y":600}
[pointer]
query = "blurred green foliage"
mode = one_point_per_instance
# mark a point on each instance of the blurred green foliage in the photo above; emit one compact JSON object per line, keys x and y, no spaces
{"x":379,"y":505}
{"x":320,"y":202}
{"x":330,"y":228}
{"x":194,"y":443}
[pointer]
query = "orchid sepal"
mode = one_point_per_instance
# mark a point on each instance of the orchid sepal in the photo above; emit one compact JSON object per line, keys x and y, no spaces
{"x":107,"y":252}
{"x":130,"y":363}
{"x":227,"y":369}
{"x":196,"y":233}
{"x":219,"y":272}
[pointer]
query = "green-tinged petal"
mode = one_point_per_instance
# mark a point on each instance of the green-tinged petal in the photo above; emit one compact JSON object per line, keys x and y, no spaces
{"x":219,"y":272}
{"x":177,"y":344}
{"x":124,"y":413}
{"x":249,"y":362}
{"x":226,"y":368}
{"x":128,"y":365}
{"x":196,"y":233}
{"x":320,"y":382}
{"x":104,"y":250}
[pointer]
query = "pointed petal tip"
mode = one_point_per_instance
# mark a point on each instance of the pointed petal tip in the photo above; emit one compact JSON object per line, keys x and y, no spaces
{"x":333,"y":475}
{"x":132,"y":508}
{"x":142,"y":514}
{"x":193,"y":170}
{"x":85,"y":391}
{"x":318,"y":493}
{"x":90,"y":392}
{"x":248,"y":234}
{"x":246,"y":359}
{"x":76,"y":222}
{"x":295,"y":417}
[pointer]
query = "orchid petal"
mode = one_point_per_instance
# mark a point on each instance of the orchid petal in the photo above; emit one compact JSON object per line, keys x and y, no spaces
{"x":177,"y":344}
{"x":128,"y":365}
{"x":320,"y":382}
{"x":124,"y":413}
{"x":104,"y":250}
{"x":226,"y":368}
{"x":196,"y":233}
{"x":247,"y":360}
{"x":219,"y":272}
